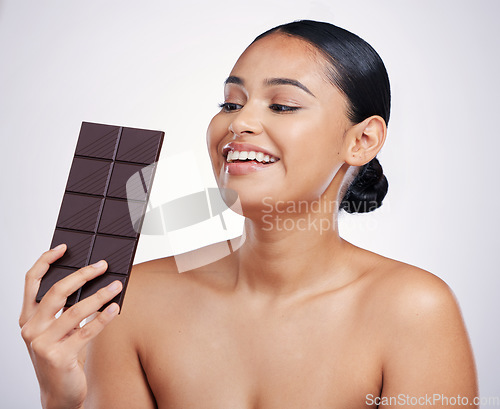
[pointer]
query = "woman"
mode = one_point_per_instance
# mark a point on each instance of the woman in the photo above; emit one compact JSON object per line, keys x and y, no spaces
{"x":296,"y":317}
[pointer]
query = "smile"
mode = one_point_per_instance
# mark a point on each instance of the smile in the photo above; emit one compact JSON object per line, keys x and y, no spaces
{"x":245,"y":156}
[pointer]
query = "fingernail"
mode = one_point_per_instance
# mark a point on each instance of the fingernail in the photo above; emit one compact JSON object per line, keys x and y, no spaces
{"x":112,"y":308}
{"x":99,"y":264}
{"x":114,"y":286}
{"x":58,"y":247}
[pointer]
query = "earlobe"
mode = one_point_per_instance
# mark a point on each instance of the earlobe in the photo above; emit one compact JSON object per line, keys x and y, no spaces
{"x":364,"y":140}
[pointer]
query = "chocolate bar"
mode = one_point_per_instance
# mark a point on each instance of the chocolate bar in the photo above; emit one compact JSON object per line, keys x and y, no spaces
{"x":104,"y":205}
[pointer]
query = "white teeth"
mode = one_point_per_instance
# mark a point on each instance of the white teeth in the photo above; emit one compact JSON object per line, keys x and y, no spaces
{"x":252,"y":155}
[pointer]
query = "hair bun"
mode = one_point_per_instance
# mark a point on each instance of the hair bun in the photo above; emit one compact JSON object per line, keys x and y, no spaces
{"x":367,"y":190}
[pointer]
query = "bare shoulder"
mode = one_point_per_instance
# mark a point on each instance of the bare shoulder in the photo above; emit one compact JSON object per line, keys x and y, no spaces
{"x":160,"y":282}
{"x":408,"y":301}
{"x":409,"y":292}
{"x":424,"y":344}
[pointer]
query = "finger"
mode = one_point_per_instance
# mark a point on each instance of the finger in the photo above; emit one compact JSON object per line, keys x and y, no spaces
{"x":82,"y":337}
{"x":65,"y":325}
{"x":32,"y":281}
{"x":55,"y":299}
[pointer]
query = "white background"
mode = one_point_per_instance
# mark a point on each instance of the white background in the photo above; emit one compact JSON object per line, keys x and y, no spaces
{"x":161,"y":65}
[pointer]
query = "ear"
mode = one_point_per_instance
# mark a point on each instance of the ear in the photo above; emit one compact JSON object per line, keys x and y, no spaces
{"x":364,"y":140}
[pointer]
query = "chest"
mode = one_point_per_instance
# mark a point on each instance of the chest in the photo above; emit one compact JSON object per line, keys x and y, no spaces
{"x":227,"y":359}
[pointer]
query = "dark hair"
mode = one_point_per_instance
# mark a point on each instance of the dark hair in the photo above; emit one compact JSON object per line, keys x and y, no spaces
{"x":358,"y":72}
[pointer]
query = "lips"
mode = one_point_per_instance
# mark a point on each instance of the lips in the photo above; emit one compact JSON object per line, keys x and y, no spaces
{"x":245,"y":158}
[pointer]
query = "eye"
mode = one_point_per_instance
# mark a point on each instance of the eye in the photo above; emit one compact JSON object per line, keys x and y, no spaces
{"x":229,"y":106}
{"x":282,"y":108}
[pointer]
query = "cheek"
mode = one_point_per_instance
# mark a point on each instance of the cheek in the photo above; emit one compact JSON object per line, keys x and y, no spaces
{"x":311,"y":153}
{"x":314,"y":140}
{"x":217,"y":130}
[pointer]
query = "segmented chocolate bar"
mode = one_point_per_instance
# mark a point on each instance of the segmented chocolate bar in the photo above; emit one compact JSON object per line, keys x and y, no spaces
{"x":104,"y":204}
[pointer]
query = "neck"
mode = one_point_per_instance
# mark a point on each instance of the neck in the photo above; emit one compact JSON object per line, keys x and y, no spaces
{"x":293,"y":252}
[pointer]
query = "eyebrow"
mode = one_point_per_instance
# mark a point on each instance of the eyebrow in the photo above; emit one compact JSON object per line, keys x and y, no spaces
{"x":270,"y":82}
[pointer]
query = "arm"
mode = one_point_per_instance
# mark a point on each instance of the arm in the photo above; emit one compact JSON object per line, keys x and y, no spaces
{"x":429,"y":356}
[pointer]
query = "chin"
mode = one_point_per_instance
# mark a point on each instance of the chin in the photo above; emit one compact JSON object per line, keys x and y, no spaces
{"x":242,"y":202}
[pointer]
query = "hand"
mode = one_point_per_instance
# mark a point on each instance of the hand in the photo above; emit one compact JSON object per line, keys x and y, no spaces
{"x":57,"y":345}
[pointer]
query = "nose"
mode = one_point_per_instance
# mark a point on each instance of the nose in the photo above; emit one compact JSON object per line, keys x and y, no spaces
{"x":246,"y":122}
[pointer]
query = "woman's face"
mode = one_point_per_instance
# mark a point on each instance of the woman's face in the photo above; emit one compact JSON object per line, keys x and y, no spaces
{"x":279,"y":108}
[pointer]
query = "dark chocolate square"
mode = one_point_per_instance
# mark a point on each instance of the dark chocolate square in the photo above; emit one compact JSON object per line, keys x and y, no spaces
{"x":79,"y":212}
{"x":139,"y":145}
{"x":52,"y":276}
{"x":121,"y":217}
{"x":97,"y":140}
{"x":88,"y":176}
{"x":97,"y":283}
{"x":116,"y":251}
{"x":130,"y":181}
{"x":78,"y":249}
